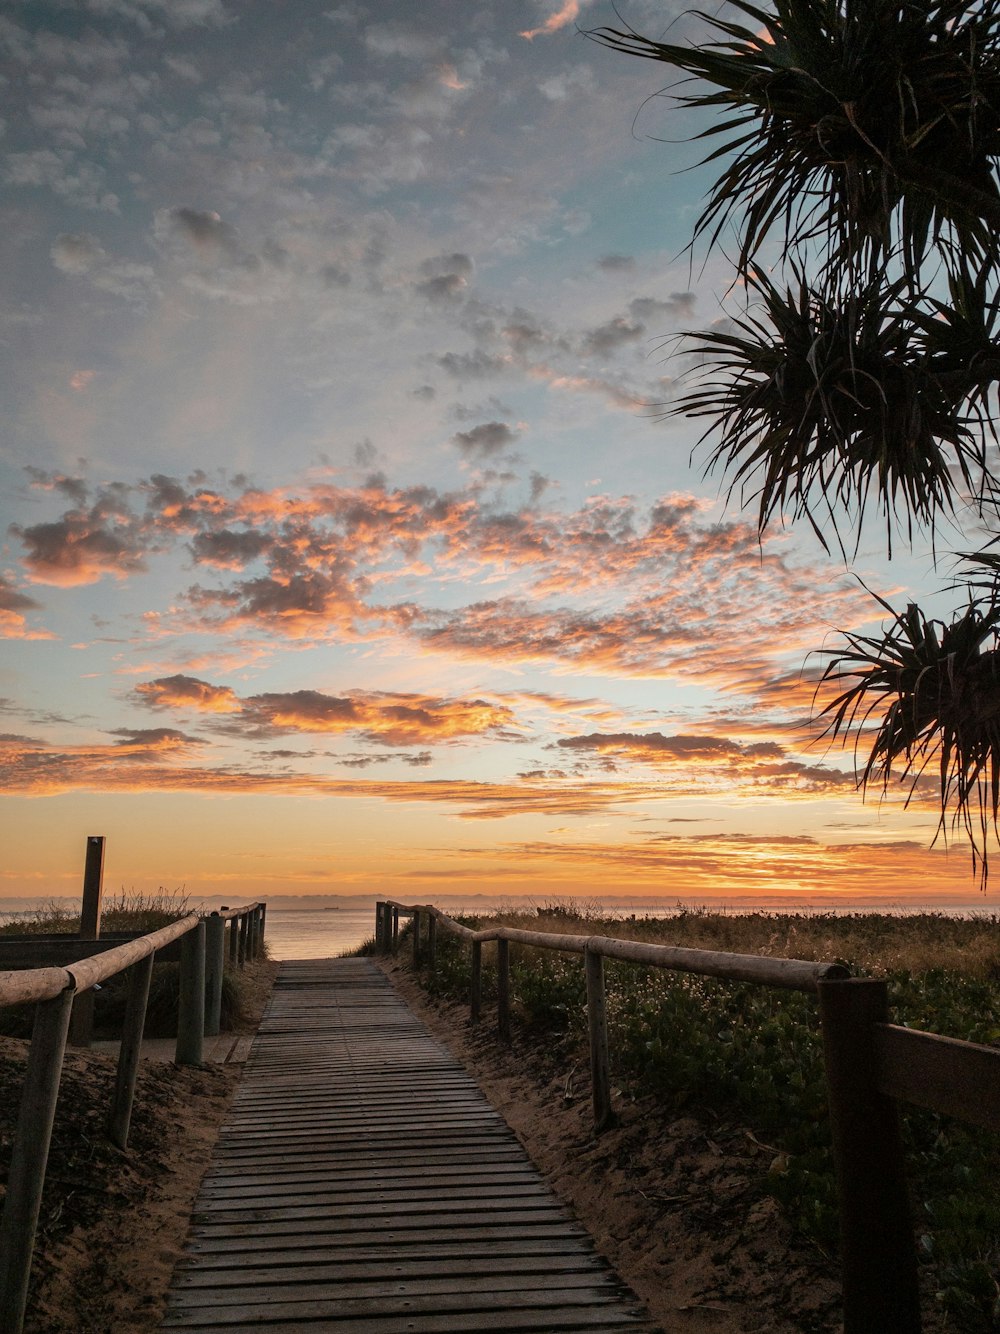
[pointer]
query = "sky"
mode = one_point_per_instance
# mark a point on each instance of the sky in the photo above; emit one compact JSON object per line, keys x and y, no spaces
{"x":347,"y":548}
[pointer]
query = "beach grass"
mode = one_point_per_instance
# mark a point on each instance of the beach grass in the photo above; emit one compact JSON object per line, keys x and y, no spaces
{"x":127,"y":911}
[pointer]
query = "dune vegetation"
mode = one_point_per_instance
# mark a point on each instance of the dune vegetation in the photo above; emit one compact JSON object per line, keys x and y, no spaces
{"x":751,"y":1054}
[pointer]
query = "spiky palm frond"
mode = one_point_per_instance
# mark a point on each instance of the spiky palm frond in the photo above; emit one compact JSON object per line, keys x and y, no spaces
{"x":825,"y":400}
{"x":846,"y":119}
{"x":929,"y":696}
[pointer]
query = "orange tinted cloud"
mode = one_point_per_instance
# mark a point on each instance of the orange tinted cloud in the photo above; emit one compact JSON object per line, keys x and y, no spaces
{"x":80,"y":549}
{"x":30,"y":764}
{"x":701,"y":763}
{"x":612,"y":588}
{"x":567,"y":14}
{"x":185,"y":692}
{"x":386,"y":717}
{"x":762,"y":868}
{"x":13,"y":605}
{"x":34,"y":768}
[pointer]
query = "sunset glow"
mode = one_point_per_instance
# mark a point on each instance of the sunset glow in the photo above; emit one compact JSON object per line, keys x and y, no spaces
{"x":346,"y":549}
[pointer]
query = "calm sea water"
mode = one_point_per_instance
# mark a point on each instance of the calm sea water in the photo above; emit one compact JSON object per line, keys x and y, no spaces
{"x":316,"y":933}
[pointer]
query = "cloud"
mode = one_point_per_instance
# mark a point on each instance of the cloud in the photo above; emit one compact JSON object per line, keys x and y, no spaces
{"x":35,"y":768}
{"x":653,"y":744}
{"x":566,"y":84}
{"x":612,"y":587}
{"x":76,"y":253}
{"x":80,"y":549}
{"x":390,"y":40}
{"x":769,"y":870}
{"x":204,"y":230}
{"x":568,"y":13}
{"x":299,"y":606}
{"x":13,"y":605}
{"x":77,"y":182}
{"x":477,"y":365}
{"x":228,"y":549}
{"x":387,"y":718}
{"x":96,"y":538}
{"x":179,"y":14}
{"x":445,"y":277}
{"x":144,"y":743}
{"x":485,"y":440}
{"x":616,"y":263}
{"x":692,"y":761}
{"x":650,"y":310}
{"x":80,"y":255}
{"x":609,"y":337}
{"x":187,"y":692}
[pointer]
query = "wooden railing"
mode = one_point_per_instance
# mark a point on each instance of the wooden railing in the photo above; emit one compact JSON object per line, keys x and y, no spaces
{"x":52,"y":991}
{"x":871,"y":1066}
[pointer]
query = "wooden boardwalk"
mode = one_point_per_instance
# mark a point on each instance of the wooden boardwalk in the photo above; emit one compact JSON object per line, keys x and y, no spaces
{"x":362,"y":1184}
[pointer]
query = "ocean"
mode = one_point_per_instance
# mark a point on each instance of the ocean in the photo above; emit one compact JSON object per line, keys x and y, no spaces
{"x":316,"y":933}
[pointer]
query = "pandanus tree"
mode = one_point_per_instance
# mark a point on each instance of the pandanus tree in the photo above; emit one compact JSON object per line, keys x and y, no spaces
{"x":857,"y":144}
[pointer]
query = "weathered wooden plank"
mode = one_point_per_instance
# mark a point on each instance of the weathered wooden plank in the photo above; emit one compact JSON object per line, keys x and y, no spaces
{"x":371,"y":1239}
{"x":593,"y":1282}
{"x":564,"y":1322}
{"x":349,"y":1270}
{"x":253,"y":1313}
{"x":476,"y":1153}
{"x":399,"y":1203}
{"x":308,"y":1224}
{"x":300,"y":1226}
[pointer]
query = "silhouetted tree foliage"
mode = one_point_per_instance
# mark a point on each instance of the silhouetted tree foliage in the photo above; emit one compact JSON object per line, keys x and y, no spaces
{"x":857,"y":144}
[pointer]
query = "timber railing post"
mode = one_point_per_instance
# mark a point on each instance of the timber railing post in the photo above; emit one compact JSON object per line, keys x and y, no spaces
{"x":263,"y":924}
{"x":241,"y":948}
{"x":215,"y":962}
{"x":597,"y":1023}
{"x":234,"y":943}
{"x":476,"y":985}
{"x":128,"y":1053}
{"x":416,"y":937}
{"x":395,"y":929}
{"x":431,"y":940}
{"x":81,"y":1029}
{"x":378,"y":927}
{"x":503,"y":989}
{"x":877,"y":1245}
{"x":191,"y":1003}
{"x":29,"y":1156}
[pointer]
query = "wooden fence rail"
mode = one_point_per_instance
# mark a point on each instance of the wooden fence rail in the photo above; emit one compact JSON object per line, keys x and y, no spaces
{"x":871,"y":1066}
{"x":53,"y":991}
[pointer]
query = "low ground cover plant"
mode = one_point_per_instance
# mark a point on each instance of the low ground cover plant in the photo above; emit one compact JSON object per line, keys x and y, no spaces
{"x":754,"y":1054}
